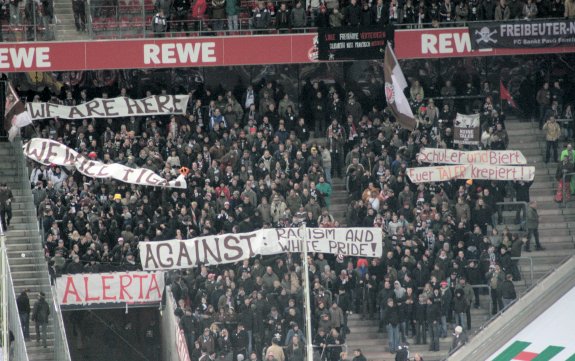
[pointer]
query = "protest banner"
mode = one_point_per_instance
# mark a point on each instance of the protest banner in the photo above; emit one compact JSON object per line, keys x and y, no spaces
{"x":47,"y":151}
{"x":118,"y":287}
{"x":491,"y":157}
{"x":471,"y":171}
{"x":112,"y":108}
{"x":466,"y":129}
{"x":229,"y":248}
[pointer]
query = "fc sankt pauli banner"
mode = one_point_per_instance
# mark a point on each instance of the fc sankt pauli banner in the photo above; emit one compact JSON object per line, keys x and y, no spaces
{"x":351,"y":43}
{"x":522,"y":34}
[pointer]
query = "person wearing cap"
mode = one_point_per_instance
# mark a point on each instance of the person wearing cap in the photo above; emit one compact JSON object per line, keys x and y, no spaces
{"x":459,"y":338}
{"x":40,"y":316}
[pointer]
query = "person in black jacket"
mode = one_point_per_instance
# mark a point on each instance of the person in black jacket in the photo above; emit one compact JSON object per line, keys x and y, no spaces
{"x":507,"y":290}
{"x":180,"y":14}
{"x":352,"y":14}
{"x":433,"y":319}
{"x":420,"y":321}
{"x":521,"y":195}
{"x":392,"y":324}
{"x":382,"y":296}
{"x":23,"y":303}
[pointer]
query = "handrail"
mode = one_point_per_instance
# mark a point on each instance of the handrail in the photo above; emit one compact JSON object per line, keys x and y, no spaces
{"x":20,"y":352}
{"x":488,"y":322}
{"x":462,"y":23}
{"x":530,"y":266}
{"x":564,"y":177}
{"x":61,"y":347}
{"x":514,"y":203}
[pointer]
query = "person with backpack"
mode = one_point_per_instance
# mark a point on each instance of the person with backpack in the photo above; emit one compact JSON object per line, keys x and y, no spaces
{"x":40,"y":316}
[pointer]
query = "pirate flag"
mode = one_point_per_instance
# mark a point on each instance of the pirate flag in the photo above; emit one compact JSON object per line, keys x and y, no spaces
{"x":394,"y":84}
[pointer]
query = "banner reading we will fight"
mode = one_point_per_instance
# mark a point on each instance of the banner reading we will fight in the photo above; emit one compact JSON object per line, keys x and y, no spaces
{"x":229,"y":248}
{"x":47,"y":151}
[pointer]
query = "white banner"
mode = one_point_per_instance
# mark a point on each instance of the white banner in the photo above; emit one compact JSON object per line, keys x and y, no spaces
{"x":118,"y":287}
{"x":491,"y":157}
{"x":471,"y":171}
{"x":46,"y":151}
{"x":229,"y":248}
{"x":466,"y":129}
{"x":112,"y":108}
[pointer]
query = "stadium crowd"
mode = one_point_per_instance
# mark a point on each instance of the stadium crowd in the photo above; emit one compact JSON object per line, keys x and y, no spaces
{"x":253,"y":164}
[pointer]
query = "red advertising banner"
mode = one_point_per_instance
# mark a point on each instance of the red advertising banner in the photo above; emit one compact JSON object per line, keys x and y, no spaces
{"x":226,"y":51}
{"x":453,"y":42}
{"x":158,"y":53}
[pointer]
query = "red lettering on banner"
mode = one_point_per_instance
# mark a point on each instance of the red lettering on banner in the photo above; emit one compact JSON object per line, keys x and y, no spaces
{"x":153,"y":286}
{"x":140,"y":279}
{"x":25,"y":58}
{"x":87,"y":290}
{"x":70,"y":290}
{"x":123,"y":287}
{"x":105,"y":287}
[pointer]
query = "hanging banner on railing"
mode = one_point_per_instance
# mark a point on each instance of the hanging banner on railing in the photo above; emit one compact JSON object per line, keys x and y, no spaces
{"x":534,"y":33}
{"x":351,"y":43}
{"x":47,"y":152}
{"x":471,"y":171}
{"x":229,"y":248}
{"x":112,"y":108}
{"x":466,"y":129}
{"x":101,"y":288}
{"x":490,"y":157}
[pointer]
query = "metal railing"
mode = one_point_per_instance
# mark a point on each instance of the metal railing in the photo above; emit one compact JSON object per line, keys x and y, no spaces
{"x":530,"y":259}
{"x":513,"y":205}
{"x":456,"y":23}
{"x":61,"y":349}
{"x":498,"y":314}
{"x":17,"y":349}
{"x":566,"y":186}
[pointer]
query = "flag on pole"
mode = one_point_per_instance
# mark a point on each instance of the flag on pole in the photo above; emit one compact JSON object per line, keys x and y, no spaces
{"x":394,"y":84}
{"x":505,"y":95}
{"x":16,"y":116}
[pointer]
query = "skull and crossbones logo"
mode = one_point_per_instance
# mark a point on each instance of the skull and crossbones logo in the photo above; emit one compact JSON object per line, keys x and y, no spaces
{"x":485,"y":36}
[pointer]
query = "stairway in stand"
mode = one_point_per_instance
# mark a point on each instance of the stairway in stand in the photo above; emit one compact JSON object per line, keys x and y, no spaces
{"x":65,"y":27}
{"x":556,"y":230}
{"x":25,"y":254}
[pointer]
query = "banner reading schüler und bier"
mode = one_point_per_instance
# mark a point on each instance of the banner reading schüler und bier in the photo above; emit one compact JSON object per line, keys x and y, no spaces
{"x":112,"y":108}
{"x":230,"y":248}
{"x":522,"y":34}
{"x":471,"y":171}
{"x":118,"y":287}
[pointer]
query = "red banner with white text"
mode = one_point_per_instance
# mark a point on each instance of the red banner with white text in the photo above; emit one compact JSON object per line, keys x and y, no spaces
{"x":158,"y":53}
{"x":226,"y":51}
{"x":453,"y":42}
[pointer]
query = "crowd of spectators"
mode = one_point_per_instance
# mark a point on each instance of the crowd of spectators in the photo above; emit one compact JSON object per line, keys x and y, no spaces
{"x":254,"y":165}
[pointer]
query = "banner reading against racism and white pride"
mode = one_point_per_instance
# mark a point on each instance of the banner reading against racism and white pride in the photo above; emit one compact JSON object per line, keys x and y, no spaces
{"x":471,"y":171}
{"x":491,"y":157}
{"x":229,"y":248}
{"x":117,"y":287}
{"x":466,"y":129}
{"x":112,"y":108}
{"x":47,"y":151}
